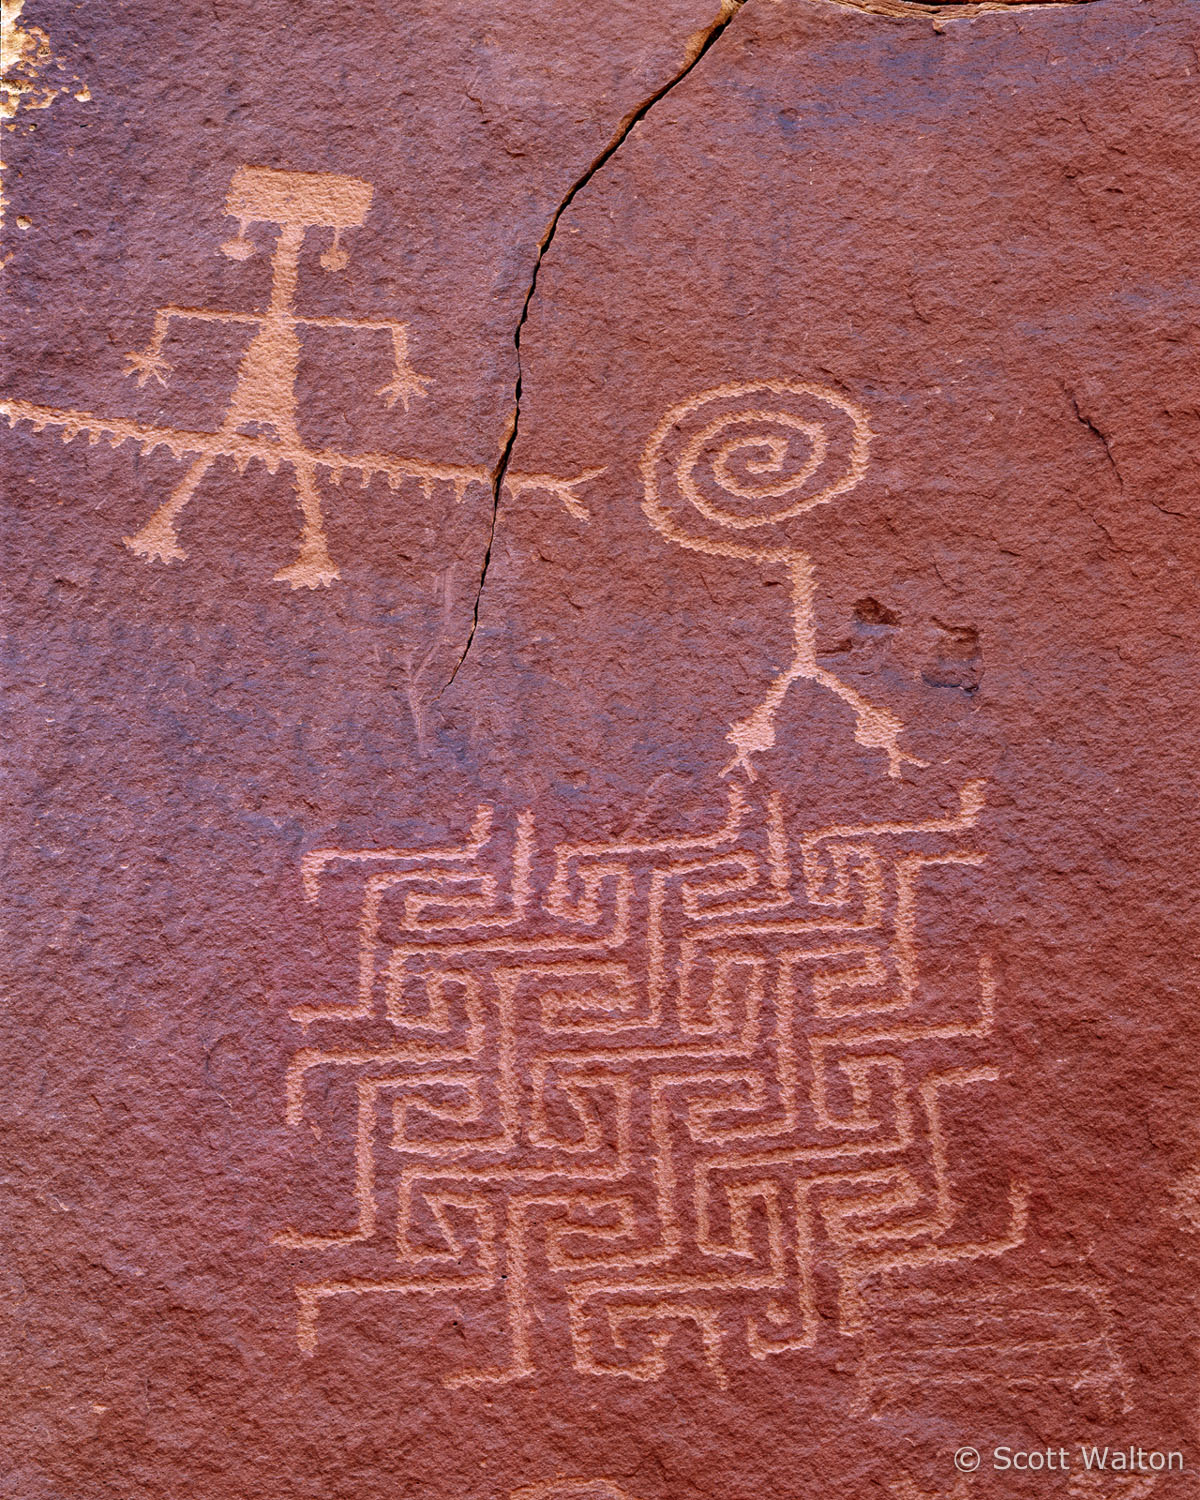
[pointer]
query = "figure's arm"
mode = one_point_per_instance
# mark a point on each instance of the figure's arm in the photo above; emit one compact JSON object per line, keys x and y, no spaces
{"x":561,"y":489}
{"x":405,"y":382}
{"x":149,"y":363}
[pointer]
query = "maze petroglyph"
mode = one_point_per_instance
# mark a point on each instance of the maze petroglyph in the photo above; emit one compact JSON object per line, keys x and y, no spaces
{"x":683,"y":1095}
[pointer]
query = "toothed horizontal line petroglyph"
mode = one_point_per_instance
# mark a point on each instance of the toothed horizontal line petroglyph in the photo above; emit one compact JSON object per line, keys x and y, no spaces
{"x":243,"y":450}
{"x":264,"y":397}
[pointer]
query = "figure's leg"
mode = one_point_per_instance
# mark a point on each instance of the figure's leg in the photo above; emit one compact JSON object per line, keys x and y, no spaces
{"x":875,"y":728}
{"x":313,"y":568}
{"x":157,"y":538}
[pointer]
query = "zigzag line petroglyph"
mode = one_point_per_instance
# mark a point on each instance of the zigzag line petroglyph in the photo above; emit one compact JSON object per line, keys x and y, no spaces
{"x":662,"y":1100}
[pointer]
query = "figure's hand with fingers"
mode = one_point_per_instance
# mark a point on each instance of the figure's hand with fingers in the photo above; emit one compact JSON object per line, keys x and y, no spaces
{"x":147,"y":364}
{"x":404,"y":386}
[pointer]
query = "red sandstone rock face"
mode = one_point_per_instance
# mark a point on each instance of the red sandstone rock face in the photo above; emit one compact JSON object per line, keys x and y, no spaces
{"x":649,"y":952}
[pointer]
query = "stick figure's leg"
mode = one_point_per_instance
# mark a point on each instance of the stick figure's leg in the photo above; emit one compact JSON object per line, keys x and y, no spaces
{"x":313,"y":568}
{"x":875,"y":728}
{"x":157,"y":539}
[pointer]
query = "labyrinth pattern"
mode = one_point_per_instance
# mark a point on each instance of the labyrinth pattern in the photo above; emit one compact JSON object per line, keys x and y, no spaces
{"x":663,"y":1101}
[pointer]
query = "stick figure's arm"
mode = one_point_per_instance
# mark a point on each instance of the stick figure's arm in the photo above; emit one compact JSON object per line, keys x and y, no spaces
{"x":405,"y":382}
{"x":149,"y":363}
{"x":561,"y":489}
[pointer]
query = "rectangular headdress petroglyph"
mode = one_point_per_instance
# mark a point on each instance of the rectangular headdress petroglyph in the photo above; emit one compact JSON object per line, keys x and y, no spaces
{"x":260,"y":422}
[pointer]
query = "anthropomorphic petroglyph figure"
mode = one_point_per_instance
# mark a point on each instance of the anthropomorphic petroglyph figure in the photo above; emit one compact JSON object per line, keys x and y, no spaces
{"x":729,"y":472}
{"x":264,"y":399}
{"x":260,"y":422}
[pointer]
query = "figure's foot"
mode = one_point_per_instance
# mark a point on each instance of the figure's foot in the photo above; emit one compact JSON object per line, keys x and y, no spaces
{"x":156,"y":543}
{"x":898,"y":758}
{"x":751,"y":737}
{"x":874,"y":728}
{"x":313,"y":569}
{"x":879,"y":730}
{"x":740,"y":762}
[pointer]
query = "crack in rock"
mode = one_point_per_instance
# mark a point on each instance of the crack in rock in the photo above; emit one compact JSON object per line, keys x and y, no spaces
{"x":701,"y":43}
{"x":1086,"y":420}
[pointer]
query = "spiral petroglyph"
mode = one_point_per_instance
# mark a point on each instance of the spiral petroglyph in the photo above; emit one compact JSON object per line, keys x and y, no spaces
{"x":749,"y":458}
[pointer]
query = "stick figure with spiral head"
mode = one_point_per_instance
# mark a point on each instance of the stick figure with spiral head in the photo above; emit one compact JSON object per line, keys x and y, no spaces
{"x":730,"y":472}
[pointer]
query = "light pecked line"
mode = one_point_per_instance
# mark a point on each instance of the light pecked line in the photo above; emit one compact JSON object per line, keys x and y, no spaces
{"x":948,"y":10}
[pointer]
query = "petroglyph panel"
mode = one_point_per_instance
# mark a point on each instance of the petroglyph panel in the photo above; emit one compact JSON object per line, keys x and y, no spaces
{"x":601,"y":692}
{"x":259,"y":424}
{"x":722,"y":474}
